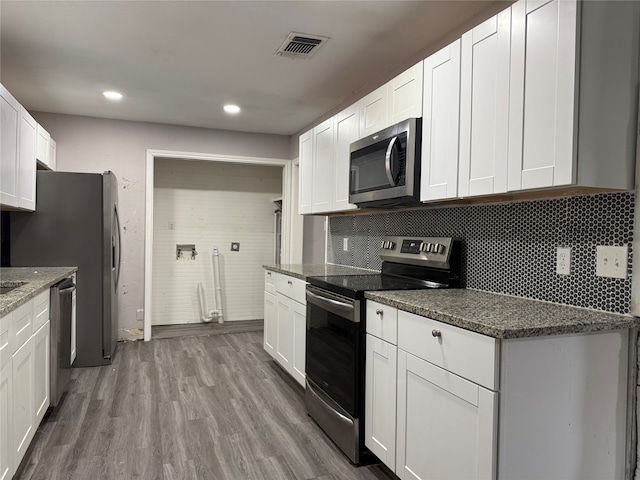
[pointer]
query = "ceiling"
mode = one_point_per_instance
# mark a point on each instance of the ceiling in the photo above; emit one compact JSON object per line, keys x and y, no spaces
{"x":179,"y":62}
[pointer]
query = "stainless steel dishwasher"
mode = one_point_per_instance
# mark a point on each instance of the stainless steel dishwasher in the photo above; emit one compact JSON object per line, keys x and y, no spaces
{"x":61,"y":344}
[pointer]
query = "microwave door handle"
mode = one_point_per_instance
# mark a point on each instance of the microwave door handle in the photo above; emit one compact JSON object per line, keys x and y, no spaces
{"x":387,"y":161}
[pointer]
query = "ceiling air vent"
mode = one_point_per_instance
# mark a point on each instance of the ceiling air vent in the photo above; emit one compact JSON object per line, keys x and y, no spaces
{"x":300,"y":45}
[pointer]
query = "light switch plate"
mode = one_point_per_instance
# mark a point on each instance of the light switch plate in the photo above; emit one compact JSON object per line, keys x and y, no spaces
{"x":563,"y":261}
{"x":611,"y":261}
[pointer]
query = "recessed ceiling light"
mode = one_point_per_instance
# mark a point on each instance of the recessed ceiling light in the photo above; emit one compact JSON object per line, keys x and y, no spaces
{"x":112,"y":95}
{"x":231,"y":108}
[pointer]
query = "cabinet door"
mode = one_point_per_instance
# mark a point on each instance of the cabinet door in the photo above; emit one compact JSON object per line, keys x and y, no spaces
{"x":9,"y":126}
{"x":27,"y":161}
{"x":484,"y":107}
{"x":380,"y":400}
{"x":323,"y":149}
{"x":405,"y":95}
{"x":284,"y":332}
{"x":23,"y":395}
{"x":42,"y":354}
{"x":374,"y":111}
{"x":306,"y":173}
{"x":52,"y":154}
{"x":6,"y":415}
{"x":440,"y":124}
{"x":543,"y":94}
{"x":42,"y":145}
{"x":346,"y":132}
{"x":446,"y":424}
{"x":299,"y":323}
{"x":270,"y":323}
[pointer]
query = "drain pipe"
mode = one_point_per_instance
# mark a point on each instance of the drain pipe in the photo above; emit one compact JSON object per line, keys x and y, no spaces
{"x":216,"y":313}
{"x":203,"y":305}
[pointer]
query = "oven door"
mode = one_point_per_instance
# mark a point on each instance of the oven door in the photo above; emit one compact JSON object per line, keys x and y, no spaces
{"x":333,"y":350}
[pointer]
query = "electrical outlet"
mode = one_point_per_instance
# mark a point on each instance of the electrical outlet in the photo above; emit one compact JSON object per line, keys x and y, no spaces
{"x":611,"y":261}
{"x":140,"y":314}
{"x":235,"y":246}
{"x":563,"y":261}
{"x":345,"y":244}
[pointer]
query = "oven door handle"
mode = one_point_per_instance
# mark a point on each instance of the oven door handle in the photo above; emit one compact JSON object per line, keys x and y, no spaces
{"x":342,"y":309}
{"x":328,"y":408}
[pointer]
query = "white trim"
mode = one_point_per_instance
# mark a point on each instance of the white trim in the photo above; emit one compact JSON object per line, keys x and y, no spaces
{"x":149,"y":186}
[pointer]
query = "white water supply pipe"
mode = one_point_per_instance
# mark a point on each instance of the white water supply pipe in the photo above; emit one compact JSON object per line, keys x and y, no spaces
{"x":203,"y":305}
{"x":217,"y":308}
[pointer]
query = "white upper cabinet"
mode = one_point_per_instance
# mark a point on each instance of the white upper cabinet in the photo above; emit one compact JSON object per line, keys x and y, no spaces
{"x":440,"y":123}
{"x":18,"y":132}
{"x":323,"y":171}
{"x":544,"y":60}
{"x":374,"y":111}
{"x":405,"y":95}
{"x":27,"y":161}
{"x":306,"y":172}
{"x":10,"y":121}
{"x":42,"y":146}
{"x":346,"y":132}
{"x":574,"y":77}
{"x":484,"y":107}
{"x":52,"y":154}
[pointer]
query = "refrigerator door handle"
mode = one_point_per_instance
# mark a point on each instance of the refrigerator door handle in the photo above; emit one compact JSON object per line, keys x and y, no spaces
{"x":113,"y":241}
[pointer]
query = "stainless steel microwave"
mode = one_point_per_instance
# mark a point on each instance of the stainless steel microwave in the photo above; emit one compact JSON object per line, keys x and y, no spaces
{"x":384,"y":168}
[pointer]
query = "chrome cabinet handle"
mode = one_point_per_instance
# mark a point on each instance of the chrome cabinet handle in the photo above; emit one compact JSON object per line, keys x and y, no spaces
{"x":379,"y":311}
{"x":436,"y":333}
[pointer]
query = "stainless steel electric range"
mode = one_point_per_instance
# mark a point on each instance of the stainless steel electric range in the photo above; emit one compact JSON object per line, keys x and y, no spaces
{"x":335,"y":348}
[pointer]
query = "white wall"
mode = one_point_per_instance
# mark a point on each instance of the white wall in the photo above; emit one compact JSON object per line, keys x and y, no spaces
{"x":211,"y":204}
{"x":86,"y":144}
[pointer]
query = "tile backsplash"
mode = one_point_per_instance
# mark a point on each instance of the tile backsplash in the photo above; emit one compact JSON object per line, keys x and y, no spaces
{"x":511,"y":247}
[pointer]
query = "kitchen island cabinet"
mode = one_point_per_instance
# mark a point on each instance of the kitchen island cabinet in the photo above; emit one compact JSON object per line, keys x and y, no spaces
{"x":537,"y":392}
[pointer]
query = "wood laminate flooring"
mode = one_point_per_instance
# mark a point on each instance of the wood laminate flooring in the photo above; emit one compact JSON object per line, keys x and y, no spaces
{"x":208,"y":407}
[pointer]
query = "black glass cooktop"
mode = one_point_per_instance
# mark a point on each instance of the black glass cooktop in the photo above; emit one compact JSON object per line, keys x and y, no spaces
{"x":354,"y":286}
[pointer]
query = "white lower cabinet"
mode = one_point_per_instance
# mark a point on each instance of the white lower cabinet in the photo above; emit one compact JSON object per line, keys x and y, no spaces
{"x":25,"y":347}
{"x":465,"y":406}
{"x":41,"y":378}
{"x":285,"y":322}
{"x":446,"y":424}
{"x":380,"y":395}
{"x":6,"y":424}
{"x":23,"y":399}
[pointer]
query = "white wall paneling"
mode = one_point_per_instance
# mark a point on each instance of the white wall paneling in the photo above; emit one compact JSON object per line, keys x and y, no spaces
{"x":211,"y":204}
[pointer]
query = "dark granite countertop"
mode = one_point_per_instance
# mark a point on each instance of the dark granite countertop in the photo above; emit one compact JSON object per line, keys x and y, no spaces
{"x":302,"y":271}
{"x":501,"y":316}
{"x":37,"y":280}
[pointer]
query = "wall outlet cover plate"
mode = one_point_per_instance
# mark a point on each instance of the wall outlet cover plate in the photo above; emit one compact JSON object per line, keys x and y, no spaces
{"x":611,"y":261}
{"x":235,"y":246}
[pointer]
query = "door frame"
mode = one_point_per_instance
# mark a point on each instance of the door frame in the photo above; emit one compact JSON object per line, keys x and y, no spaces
{"x":152,"y":154}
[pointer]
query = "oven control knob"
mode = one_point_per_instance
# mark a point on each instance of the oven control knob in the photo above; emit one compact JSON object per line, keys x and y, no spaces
{"x":439,"y":248}
{"x":423,"y":247}
{"x":392,"y":245}
{"x":382,"y":244}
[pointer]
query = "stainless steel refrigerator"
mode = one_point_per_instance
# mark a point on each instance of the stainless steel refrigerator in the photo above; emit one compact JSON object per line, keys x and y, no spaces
{"x":76,"y":224}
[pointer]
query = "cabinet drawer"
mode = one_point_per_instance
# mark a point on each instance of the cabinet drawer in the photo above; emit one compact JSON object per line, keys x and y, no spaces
{"x":270,"y":281}
{"x":41,"y":309}
{"x":382,"y":321}
{"x":21,"y":325}
{"x":292,"y":287}
{"x":467,"y":354}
